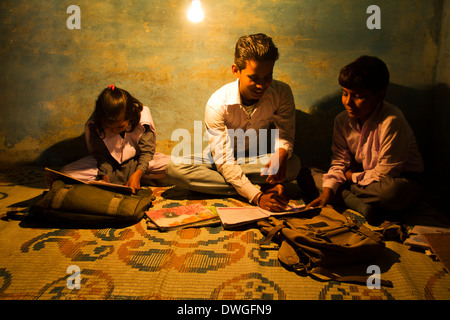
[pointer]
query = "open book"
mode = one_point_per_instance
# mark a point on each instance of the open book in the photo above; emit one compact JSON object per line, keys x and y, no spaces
{"x":236,"y":216}
{"x":52,"y":175}
{"x":193,"y":215}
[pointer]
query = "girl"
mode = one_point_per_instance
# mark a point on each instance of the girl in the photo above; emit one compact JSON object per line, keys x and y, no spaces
{"x":120,"y":137}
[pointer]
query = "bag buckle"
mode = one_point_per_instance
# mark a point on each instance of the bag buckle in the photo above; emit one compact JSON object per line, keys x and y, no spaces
{"x":299,"y":267}
{"x":113,"y":206}
{"x":59,"y":197}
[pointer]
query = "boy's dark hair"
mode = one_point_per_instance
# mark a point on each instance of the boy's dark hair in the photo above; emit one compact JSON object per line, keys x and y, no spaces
{"x":255,"y":47}
{"x":365,"y":73}
{"x":110,"y":105}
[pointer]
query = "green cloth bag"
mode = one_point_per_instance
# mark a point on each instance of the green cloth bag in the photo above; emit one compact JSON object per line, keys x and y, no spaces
{"x":84,"y":204}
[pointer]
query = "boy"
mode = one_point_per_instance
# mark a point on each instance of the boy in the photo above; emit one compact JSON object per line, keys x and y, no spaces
{"x":236,"y":118}
{"x":376,"y":164}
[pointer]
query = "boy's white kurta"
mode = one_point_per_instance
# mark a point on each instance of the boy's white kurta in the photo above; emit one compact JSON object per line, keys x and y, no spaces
{"x":224,"y":112}
{"x":230,"y":128}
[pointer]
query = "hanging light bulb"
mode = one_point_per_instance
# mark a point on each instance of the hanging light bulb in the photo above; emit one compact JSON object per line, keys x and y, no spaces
{"x":195,"y":13}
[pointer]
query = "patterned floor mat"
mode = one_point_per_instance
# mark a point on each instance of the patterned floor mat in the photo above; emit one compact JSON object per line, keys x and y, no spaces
{"x":40,"y":262}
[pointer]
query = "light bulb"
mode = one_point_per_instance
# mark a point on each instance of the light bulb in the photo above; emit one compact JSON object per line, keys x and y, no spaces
{"x":195,"y":13}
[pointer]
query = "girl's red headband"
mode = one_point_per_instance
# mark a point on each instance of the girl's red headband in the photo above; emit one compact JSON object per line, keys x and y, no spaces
{"x":111,"y":86}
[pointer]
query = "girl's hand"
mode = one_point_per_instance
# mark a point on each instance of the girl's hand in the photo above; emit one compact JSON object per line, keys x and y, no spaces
{"x":349,"y":174}
{"x":105,"y":178}
{"x":135,"y":180}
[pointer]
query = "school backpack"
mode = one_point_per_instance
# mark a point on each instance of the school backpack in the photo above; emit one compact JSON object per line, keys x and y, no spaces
{"x":312,"y":241}
{"x":90,"y":206}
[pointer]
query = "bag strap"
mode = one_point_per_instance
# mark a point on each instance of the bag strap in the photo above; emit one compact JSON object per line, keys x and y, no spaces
{"x":59,"y":196}
{"x":392,"y":231}
{"x":273,"y":232}
{"x":113,"y":206}
{"x":362,"y":230}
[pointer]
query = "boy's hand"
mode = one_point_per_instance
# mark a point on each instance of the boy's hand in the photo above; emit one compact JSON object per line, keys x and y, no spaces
{"x":274,"y":199}
{"x":324,"y":199}
{"x":276,"y":168}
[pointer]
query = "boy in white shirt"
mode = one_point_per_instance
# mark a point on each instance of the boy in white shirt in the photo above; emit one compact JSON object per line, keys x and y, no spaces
{"x":238,"y":117}
{"x":376,"y":165}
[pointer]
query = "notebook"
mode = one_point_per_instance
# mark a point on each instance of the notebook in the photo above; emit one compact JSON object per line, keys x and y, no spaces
{"x":52,"y":175}
{"x":236,"y":216}
{"x":193,"y":215}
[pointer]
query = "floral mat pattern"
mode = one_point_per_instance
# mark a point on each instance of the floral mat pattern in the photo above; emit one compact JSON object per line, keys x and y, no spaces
{"x":38,"y":262}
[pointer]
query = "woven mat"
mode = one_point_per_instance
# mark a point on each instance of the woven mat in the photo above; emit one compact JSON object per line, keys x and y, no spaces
{"x":37,"y":262}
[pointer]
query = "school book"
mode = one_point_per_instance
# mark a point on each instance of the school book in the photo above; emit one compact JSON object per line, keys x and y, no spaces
{"x":439,"y":244}
{"x":416,"y":235}
{"x":237,"y":216}
{"x":52,"y":175}
{"x":193,"y":215}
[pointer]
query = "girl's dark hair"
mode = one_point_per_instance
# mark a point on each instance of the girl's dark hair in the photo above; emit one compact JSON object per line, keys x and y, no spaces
{"x":256,"y":47}
{"x":365,"y":73}
{"x":112,"y":103}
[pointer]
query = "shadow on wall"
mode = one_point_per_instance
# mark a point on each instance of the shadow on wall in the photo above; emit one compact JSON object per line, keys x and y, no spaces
{"x":439,"y":158}
{"x":313,"y":136}
{"x":313,"y":132}
{"x":440,"y":140}
{"x":63,"y":152}
{"x":417,"y":105}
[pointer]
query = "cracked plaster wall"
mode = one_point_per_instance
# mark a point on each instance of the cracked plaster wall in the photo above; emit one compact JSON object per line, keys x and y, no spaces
{"x":51,"y":75}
